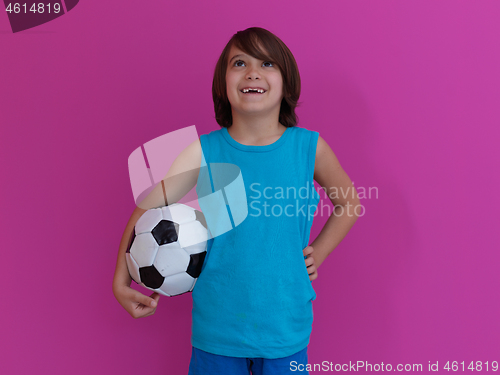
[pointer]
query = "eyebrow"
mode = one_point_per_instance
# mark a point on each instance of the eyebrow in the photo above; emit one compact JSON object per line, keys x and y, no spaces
{"x":235,"y":56}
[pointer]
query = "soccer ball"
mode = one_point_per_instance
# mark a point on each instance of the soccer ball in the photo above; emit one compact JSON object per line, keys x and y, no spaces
{"x":167,"y":249}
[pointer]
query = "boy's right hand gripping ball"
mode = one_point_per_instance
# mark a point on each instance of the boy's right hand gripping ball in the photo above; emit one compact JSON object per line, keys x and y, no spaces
{"x":168,"y":248}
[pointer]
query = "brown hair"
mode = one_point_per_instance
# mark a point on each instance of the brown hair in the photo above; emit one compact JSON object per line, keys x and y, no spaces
{"x":248,"y":41}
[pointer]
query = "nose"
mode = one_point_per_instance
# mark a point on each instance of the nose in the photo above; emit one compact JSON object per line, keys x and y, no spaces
{"x":253,"y":73}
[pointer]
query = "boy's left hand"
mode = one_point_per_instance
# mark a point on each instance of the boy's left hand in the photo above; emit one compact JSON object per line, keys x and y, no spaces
{"x":311,"y":267}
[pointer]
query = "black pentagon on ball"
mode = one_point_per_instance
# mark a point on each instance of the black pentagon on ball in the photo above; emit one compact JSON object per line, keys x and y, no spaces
{"x":165,"y":232}
{"x":151,"y":277}
{"x":131,"y":240}
{"x":201,"y":218}
{"x":195,"y":264}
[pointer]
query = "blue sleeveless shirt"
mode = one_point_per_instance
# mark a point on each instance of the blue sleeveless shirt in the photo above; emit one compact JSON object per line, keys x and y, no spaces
{"x":253,"y":297}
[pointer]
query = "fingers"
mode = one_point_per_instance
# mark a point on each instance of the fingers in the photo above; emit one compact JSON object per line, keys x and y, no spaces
{"x":143,"y":305}
{"x":135,"y":303}
{"x":309,"y":260}
{"x":314,"y":275}
{"x":308,"y":250}
{"x":151,"y":301}
{"x":311,"y":268}
{"x":155,"y":297}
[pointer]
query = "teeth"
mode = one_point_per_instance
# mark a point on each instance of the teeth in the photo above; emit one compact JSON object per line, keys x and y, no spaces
{"x":253,"y":90}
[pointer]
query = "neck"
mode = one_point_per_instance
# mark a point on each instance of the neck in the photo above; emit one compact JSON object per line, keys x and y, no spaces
{"x":255,"y":130}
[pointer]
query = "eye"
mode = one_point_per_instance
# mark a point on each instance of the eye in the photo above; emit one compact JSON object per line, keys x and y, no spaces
{"x":265,"y":62}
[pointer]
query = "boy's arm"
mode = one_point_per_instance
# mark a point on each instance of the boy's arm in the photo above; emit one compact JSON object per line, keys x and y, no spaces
{"x":180,"y":179}
{"x":135,"y":303}
{"x":122,"y":276}
{"x":332,"y":178}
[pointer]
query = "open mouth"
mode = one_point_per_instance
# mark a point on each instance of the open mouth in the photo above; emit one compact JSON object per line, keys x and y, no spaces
{"x":253,"y":91}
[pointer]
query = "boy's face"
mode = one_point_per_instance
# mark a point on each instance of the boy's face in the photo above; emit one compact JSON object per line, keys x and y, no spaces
{"x":246,"y":71}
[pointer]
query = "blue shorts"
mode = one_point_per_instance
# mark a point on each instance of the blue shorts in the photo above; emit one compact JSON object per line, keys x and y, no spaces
{"x":203,"y":363}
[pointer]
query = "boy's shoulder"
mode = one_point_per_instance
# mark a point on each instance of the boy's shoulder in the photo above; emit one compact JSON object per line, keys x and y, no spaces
{"x":305,"y":135}
{"x":213,"y":133}
{"x":302,"y":130}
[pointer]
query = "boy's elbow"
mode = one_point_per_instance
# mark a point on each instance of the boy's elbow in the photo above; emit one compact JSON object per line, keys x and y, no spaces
{"x":358,"y":210}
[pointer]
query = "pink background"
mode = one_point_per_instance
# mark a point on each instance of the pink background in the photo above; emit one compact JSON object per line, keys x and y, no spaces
{"x":405,"y":92}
